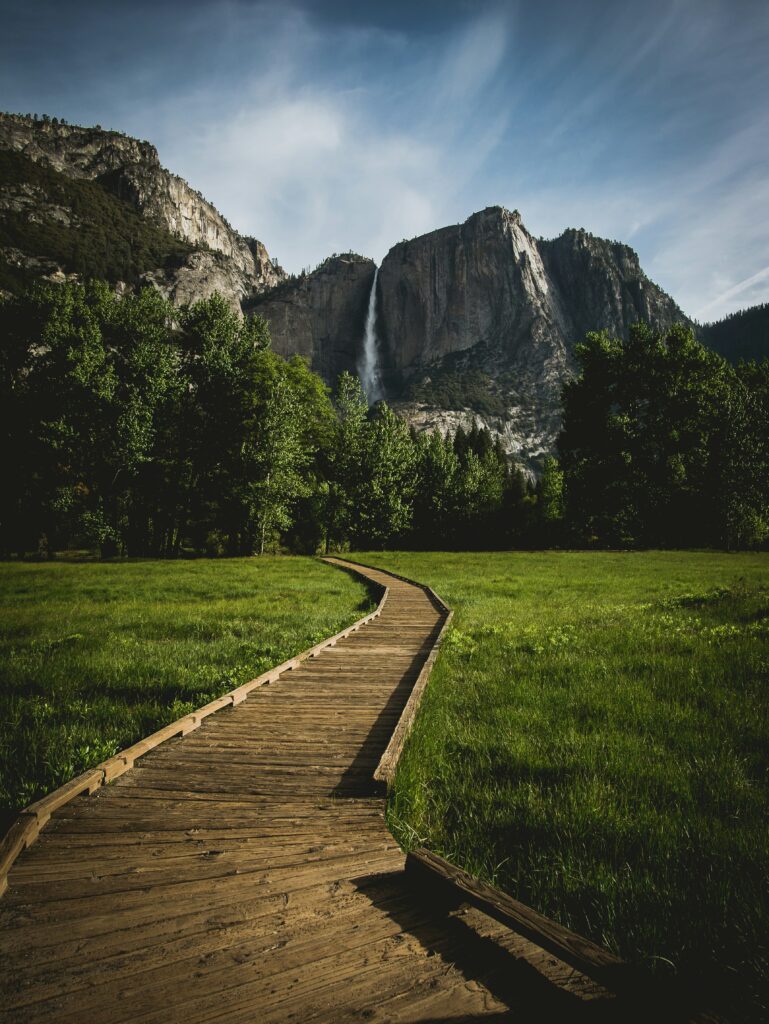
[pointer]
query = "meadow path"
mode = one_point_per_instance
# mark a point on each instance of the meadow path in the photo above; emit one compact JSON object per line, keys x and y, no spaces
{"x":244,"y":873}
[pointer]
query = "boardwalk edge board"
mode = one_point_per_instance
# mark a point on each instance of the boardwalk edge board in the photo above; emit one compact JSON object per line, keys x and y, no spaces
{"x":432,"y":873}
{"x":32,"y":819}
{"x":630,"y":982}
{"x":385,"y":770}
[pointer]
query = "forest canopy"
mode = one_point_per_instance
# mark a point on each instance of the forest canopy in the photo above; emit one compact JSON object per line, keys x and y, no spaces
{"x":136,"y":428}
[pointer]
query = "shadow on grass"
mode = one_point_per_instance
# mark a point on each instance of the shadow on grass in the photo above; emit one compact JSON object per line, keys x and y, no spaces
{"x":432,"y":921}
{"x":510,"y":979}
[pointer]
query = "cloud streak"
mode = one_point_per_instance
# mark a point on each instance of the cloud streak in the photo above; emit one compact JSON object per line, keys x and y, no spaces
{"x":323,"y":126}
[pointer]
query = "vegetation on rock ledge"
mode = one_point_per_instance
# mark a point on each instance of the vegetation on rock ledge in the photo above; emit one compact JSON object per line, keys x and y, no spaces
{"x":94,"y":234}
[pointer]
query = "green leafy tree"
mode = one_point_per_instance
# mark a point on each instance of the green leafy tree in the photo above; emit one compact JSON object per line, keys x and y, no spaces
{"x":516,"y":510}
{"x":347,"y":458}
{"x":640,"y":423}
{"x":480,"y":492}
{"x":742,"y":461}
{"x":21,"y":496}
{"x":551,"y":506}
{"x":437,"y":494}
{"x":281,"y":454}
{"x":90,"y":370}
{"x":145,"y":358}
{"x":384,"y":499}
{"x":224,"y":375}
{"x":72,"y":401}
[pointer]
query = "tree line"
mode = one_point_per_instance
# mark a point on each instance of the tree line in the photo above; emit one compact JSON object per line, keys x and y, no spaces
{"x":140,"y":429}
{"x":664,"y":444}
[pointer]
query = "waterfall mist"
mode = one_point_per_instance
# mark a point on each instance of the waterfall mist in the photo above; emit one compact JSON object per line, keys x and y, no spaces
{"x":368,"y":364}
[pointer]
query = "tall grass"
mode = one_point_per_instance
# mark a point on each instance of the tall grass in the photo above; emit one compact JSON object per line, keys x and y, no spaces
{"x":95,"y":656}
{"x":595,"y":741}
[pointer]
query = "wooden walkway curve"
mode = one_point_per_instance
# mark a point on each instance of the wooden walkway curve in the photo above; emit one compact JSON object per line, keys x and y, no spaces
{"x":244,"y":873}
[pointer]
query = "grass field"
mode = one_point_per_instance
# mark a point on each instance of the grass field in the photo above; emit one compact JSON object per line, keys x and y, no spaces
{"x":95,"y":656}
{"x":595,"y":741}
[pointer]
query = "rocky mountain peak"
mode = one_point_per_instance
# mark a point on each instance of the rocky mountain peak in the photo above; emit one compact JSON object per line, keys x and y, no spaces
{"x":321,"y":315}
{"x":131,"y":170}
{"x":474,"y":323}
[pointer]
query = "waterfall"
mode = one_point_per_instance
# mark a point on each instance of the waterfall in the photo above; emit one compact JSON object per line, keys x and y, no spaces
{"x":368,"y":364}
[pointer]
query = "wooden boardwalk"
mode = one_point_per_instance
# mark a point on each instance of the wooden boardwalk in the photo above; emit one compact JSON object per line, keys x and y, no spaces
{"x":244,"y":873}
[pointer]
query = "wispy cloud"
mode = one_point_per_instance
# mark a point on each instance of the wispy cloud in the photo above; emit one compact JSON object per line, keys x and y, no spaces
{"x":741,"y":289}
{"x":313,"y":163}
{"x":324,"y":125}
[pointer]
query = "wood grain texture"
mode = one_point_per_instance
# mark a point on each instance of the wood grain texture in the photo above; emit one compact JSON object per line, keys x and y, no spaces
{"x":428,"y":869}
{"x":115,"y":766}
{"x":244,"y":872}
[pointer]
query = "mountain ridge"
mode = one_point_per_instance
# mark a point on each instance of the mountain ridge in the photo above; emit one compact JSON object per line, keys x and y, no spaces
{"x":476,"y":321}
{"x":482,"y":302}
{"x":130,"y":170}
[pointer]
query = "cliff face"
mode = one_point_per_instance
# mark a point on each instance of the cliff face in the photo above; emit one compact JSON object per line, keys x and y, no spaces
{"x":489,"y":282}
{"x":481,"y":281}
{"x":602,"y":286}
{"x":477,"y":322}
{"x":131,"y":170}
{"x":321,"y":315}
{"x":197,"y":276}
{"x":485,"y":302}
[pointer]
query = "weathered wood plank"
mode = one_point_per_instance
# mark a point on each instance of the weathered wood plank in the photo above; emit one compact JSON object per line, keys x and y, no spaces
{"x":426,"y":869}
{"x":116,"y":766}
{"x":243,"y":871}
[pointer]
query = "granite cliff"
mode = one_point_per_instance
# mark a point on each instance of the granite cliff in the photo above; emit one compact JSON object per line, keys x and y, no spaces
{"x":476,"y":322}
{"x":321,"y":315}
{"x":216,"y":255}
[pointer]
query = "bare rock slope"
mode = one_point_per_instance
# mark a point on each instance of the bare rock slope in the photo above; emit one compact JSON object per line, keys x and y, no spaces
{"x":130,"y":170}
{"x":476,"y":322}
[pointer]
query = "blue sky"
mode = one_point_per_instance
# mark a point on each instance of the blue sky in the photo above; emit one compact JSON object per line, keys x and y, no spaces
{"x":324,"y":126}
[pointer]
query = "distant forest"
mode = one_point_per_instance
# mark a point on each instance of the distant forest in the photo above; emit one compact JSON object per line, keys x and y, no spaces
{"x":741,"y":335}
{"x":135,"y":428}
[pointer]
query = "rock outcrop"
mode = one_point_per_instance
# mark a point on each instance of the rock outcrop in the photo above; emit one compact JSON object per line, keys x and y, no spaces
{"x":198,"y":276}
{"x":487,"y":296}
{"x":477,"y":322}
{"x":321,"y":315}
{"x":489,"y":282}
{"x":601,"y":285}
{"x":478,"y":282}
{"x":131,"y":170}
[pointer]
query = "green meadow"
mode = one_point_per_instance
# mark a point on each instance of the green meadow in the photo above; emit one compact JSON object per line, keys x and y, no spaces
{"x":595,"y":740}
{"x":93,"y":657}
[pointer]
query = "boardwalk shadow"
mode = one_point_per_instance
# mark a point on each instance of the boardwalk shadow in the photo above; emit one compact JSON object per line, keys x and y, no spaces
{"x":433,"y":922}
{"x":358,"y":780}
